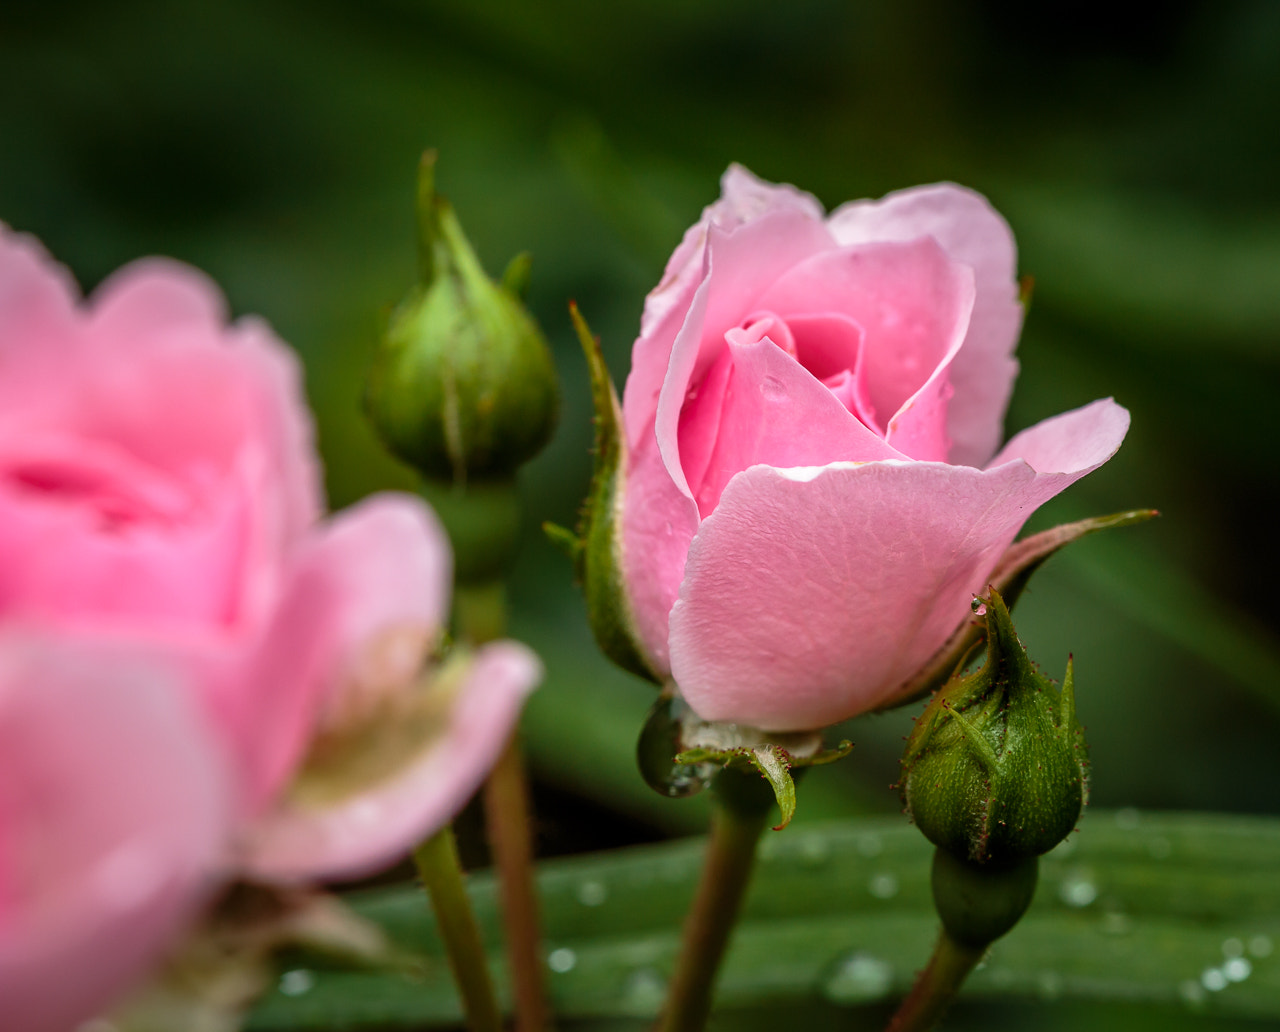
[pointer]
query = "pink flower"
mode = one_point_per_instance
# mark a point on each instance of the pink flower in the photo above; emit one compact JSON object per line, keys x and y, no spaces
{"x":160,"y":508}
{"x":810,"y":497}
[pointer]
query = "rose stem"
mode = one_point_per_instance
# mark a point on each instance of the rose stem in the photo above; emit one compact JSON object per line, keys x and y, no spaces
{"x":441,"y":873}
{"x":481,"y":615}
{"x":936,"y":986}
{"x":741,"y":803}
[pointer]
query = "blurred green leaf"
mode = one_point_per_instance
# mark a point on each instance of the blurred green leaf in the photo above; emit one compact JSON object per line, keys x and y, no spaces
{"x":1170,"y":909}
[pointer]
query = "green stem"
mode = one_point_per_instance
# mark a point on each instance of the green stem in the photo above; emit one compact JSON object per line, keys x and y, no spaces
{"x":437,"y":861}
{"x":737,"y":820}
{"x":937,"y":985}
{"x":480,"y":613}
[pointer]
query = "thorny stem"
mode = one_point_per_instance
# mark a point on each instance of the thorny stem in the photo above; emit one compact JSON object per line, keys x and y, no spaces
{"x":737,"y":820}
{"x":936,"y":986}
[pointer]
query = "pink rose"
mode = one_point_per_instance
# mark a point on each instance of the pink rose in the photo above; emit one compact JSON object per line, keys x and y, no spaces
{"x":160,"y":508}
{"x":810,"y":496}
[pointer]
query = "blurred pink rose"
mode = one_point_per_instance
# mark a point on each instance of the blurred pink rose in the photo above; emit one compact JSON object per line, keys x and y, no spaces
{"x":160,"y":500}
{"x":813,"y":405}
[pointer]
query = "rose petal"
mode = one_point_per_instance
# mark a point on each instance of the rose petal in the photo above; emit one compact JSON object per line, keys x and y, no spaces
{"x":776,"y":414}
{"x":972,"y":232}
{"x":392,"y":568}
{"x":654,"y":539}
{"x":743,"y":197}
{"x":368,"y":830}
{"x":112,"y":817}
{"x":37,"y":302}
{"x":913,"y":306}
{"x":870,"y":568}
{"x":740,"y":266}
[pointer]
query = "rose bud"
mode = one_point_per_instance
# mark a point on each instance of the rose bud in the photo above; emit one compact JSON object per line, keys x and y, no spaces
{"x":804,"y":496}
{"x":995,"y":769}
{"x":462,"y":386}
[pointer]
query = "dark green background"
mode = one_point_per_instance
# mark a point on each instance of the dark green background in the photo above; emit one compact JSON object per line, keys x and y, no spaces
{"x":1132,"y":147}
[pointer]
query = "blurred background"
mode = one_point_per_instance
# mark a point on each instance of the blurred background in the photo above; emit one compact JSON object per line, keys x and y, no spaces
{"x":1134,"y":149}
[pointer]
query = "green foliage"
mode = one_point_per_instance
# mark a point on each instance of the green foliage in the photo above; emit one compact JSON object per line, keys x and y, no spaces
{"x":1179,"y":910}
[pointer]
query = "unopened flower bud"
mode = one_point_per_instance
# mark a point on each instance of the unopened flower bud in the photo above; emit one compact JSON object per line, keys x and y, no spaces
{"x":995,"y":770}
{"x":462,"y":386}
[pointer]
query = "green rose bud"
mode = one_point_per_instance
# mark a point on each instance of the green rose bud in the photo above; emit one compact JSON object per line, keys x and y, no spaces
{"x":995,"y":770}
{"x":462,"y":387}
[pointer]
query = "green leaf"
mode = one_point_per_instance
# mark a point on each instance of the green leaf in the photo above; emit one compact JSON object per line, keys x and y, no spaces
{"x":1174,"y":909}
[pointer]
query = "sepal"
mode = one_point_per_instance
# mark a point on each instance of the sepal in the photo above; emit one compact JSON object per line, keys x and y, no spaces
{"x":995,"y":769}
{"x":595,"y":549}
{"x":1009,"y":578}
{"x":462,"y":386}
{"x":680,"y":754}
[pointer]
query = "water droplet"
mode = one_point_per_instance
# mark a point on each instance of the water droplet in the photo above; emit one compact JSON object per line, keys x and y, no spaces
{"x":883,"y":886}
{"x":1213,"y":979}
{"x":1192,"y":992}
{"x":644,"y":992}
{"x":858,"y":977}
{"x":297,"y":982}
{"x":592,"y":893}
{"x":1049,"y":985}
{"x":1127,"y":818}
{"x":1116,"y":923}
{"x":773,"y":389}
{"x":562,"y":960}
{"x":1077,"y":889}
{"x":815,"y":850}
{"x":1260,"y":946}
{"x":1232,"y":947}
{"x":656,"y":750}
{"x":1237,"y":969}
{"x":869,"y":845}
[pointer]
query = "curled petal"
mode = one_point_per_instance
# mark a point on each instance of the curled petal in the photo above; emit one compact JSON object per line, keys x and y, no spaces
{"x":359,"y":815}
{"x":974,"y":233}
{"x":871,"y":567}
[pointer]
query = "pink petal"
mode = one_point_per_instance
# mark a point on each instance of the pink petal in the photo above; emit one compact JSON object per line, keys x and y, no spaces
{"x":112,"y":817}
{"x":392,"y":569}
{"x":657,"y":523}
{"x":776,"y":414}
{"x":972,"y":232}
{"x":913,"y":306}
{"x":1073,"y":442}
{"x":743,"y":197}
{"x":37,"y":300}
{"x":869,"y":568}
{"x":373,"y":828}
{"x":740,"y":266}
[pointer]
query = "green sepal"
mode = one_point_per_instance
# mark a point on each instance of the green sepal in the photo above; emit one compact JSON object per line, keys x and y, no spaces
{"x":462,"y":386}
{"x":1009,"y":578}
{"x":598,"y":562}
{"x":774,"y":763}
{"x":995,"y":770}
